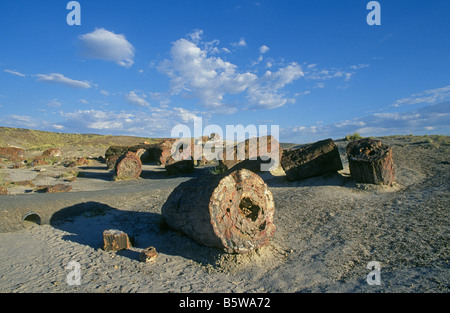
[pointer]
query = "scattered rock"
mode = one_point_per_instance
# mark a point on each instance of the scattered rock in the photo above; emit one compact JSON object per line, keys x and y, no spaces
{"x":54,"y":188}
{"x":11,"y":153}
{"x":115,"y":240}
{"x":52,"y":152}
{"x":3,"y":191}
{"x":148,"y":255}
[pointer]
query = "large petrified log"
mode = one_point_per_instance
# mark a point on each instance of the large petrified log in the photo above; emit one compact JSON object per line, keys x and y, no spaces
{"x":128,"y":166}
{"x":260,"y":153}
{"x":370,"y":161}
{"x":312,"y":160}
{"x":233,"y":211}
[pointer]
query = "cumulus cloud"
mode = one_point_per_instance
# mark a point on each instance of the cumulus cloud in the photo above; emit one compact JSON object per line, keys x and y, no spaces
{"x":240,"y":43}
{"x":106,"y":45}
{"x":14,"y":73}
{"x":134,"y":99}
{"x":193,"y":70}
{"x":61,"y":79}
{"x":263,"y":49}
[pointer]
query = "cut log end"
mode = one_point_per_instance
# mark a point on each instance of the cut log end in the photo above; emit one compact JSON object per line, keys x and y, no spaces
{"x":128,"y":166}
{"x":241,"y":209}
{"x":233,"y":212}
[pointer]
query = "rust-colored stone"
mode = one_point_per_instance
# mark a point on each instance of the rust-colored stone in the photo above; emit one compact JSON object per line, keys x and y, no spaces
{"x":232,"y":211}
{"x":3,"y":191}
{"x":11,"y":153}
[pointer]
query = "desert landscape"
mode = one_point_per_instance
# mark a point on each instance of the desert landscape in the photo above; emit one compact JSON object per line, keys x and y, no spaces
{"x":328,"y":227}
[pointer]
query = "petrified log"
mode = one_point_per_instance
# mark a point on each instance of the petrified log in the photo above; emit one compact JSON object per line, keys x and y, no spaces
{"x":233,"y":211}
{"x":3,"y":190}
{"x":128,"y":166}
{"x":312,"y":160}
{"x":179,"y":167}
{"x":260,"y":151}
{"x":370,"y":161}
{"x":11,"y":153}
{"x":115,"y":240}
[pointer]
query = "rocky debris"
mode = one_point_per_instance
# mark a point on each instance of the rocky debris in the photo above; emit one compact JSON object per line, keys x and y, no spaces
{"x":18,"y":165}
{"x":12,"y":153}
{"x":315,"y":159}
{"x":78,"y":162}
{"x":258,"y":150}
{"x":52,"y":153}
{"x":370,"y":161}
{"x":3,"y":191}
{"x":128,"y":166}
{"x":54,"y":188}
{"x":232,"y":211}
{"x":148,"y":255}
{"x":115,"y":240}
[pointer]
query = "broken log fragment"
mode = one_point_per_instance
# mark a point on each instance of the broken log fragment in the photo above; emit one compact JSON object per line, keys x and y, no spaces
{"x":128,"y":166}
{"x":115,"y":240}
{"x":148,"y":255}
{"x":259,"y":153}
{"x":370,"y":161}
{"x":312,"y":160}
{"x":232,"y":211}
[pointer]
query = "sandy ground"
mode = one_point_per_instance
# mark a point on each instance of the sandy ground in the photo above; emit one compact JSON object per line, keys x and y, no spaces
{"x":328,"y":230}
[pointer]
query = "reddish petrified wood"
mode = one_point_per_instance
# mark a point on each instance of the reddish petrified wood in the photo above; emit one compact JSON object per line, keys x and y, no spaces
{"x":232,"y":211}
{"x":263,"y":153}
{"x":128,"y":166}
{"x":312,"y":160}
{"x":370,"y":161}
{"x":115,"y":240}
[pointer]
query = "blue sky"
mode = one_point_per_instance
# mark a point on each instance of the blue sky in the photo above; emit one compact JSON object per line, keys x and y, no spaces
{"x":315,"y":68}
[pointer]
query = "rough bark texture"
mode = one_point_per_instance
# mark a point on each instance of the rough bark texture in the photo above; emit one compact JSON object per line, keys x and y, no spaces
{"x":312,"y":160}
{"x":255,"y":151}
{"x":370,"y":161}
{"x":233,"y":211}
{"x":115,"y":240}
{"x":128,"y":166}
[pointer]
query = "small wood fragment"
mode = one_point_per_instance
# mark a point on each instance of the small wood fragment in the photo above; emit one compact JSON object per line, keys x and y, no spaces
{"x":115,"y":240}
{"x":148,"y":255}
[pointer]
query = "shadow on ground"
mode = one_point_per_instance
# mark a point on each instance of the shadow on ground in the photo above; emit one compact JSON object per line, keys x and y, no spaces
{"x":85,"y":223}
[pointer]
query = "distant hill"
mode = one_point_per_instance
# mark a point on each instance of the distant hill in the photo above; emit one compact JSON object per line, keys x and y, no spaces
{"x":35,"y":139}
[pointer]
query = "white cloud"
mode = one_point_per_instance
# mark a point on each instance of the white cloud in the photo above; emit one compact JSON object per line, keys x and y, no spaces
{"x":263,"y":49}
{"x":127,"y":123}
{"x":105,"y":45}
{"x":54,"y":103}
{"x":61,"y":79}
{"x":58,"y":127}
{"x":240,"y":43}
{"x":210,"y":79}
{"x":427,"y":96}
{"x":104,"y":92}
{"x":434,"y":117}
{"x":134,"y":99}
{"x":14,"y":73}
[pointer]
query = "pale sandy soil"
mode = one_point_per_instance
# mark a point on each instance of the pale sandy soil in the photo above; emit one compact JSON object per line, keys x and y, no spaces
{"x":328,"y":230}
